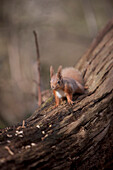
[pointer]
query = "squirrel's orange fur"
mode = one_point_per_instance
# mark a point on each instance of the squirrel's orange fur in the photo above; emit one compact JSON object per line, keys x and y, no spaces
{"x":65,"y":83}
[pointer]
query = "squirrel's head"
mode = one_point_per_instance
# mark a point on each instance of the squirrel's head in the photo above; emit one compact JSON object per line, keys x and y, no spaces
{"x":56,"y":79}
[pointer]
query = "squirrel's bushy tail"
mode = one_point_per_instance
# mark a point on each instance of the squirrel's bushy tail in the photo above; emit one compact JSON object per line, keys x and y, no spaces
{"x":71,"y":72}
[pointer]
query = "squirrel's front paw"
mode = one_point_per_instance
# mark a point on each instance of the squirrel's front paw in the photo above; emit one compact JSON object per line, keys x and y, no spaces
{"x":55,"y":106}
{"x":71,"y":102}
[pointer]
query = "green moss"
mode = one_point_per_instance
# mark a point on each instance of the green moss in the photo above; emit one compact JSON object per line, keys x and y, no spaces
{"x":2,"y":124}
{"x":49,"y":100}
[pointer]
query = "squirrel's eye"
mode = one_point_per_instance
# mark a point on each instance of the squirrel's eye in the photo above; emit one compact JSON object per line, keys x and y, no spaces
{"x":58,"y":82}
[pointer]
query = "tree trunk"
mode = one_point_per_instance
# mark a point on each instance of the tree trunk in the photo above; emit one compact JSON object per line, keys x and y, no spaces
{"x":70,"y":137}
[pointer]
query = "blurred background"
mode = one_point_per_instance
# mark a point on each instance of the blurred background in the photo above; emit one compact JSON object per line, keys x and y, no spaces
{"x":65,"y":30}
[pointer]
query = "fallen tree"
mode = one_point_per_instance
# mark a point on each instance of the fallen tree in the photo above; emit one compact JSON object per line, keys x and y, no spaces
{"x":70,"y":137}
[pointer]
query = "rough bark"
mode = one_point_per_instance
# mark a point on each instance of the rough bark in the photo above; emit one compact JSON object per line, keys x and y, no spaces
{"x":70,"y":137}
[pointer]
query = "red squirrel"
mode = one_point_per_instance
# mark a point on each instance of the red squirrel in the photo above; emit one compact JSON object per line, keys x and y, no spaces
{"x":65,"y":83}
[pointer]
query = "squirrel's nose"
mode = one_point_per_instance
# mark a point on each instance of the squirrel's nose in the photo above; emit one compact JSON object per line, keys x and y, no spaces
{"x":52,"y":87}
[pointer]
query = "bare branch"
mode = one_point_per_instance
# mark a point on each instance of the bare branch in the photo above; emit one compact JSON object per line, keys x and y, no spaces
{"x":38,"y":69}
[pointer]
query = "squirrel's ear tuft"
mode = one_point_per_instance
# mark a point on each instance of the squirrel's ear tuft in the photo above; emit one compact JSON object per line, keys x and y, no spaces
{"x":59,"y":74}
{"x":51,"y":71}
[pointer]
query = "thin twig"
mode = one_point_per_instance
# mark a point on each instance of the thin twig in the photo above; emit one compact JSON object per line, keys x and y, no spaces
{"x":9,"y":150}
{"x":38,"y":69}
{"x":23,"y":124}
